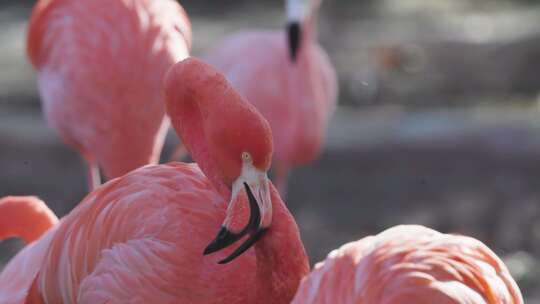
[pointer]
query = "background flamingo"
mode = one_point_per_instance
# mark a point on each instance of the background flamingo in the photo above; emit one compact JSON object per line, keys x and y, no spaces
{"x":140,"y":238}
{"x":29,"y":218}
{"x":289,"y":79}
{"x":26,"y":217}
{"x":410,"y":264}
{"x":100,"y":66}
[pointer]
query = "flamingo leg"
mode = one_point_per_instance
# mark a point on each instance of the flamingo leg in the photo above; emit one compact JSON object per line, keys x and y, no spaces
{"x":179,"y":153}
{"x":94,"y":178}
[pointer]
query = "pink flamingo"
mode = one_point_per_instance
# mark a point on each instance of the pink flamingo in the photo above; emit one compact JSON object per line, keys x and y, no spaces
{"x":29,"y":218}
{"x":410,"y":264}
{"x":26,"y":217}
{"x":140,"y":238}
{"x":100,"y":67}
{"x":290,"y":80}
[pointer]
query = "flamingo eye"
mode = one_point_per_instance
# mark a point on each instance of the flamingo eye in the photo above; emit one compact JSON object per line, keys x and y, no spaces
{"x":246,"y":157}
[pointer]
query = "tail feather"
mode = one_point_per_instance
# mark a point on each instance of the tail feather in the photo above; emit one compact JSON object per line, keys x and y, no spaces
{"x":26,"y":217}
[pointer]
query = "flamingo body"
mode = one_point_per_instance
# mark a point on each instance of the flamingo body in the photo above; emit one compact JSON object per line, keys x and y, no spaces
{"x":410,"y":264}
{"x":162,"y":218}
{"x":100,"y":67}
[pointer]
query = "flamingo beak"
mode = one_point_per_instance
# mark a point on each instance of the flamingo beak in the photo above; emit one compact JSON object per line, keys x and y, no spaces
{"x":296,"y":13}
{"x":294,"y":38}
{"x":253,"y":228}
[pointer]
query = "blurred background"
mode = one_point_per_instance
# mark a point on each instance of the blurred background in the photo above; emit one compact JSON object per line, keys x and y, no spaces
{"x":438,"y":123}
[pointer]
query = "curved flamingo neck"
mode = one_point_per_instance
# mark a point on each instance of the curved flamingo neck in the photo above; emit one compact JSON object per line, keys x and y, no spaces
{"x":186,"y":109}
{"x":281,"y":258}
{"x":215,"y":123}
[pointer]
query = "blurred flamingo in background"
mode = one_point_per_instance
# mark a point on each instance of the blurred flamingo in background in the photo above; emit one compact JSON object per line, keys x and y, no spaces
{"x":26,"y":217}
{"x":100,"y":67}
{"x":289,"y":79}
{"x":29,"y":218}
{"x":140,"y":238}
{"x":410,"y":264}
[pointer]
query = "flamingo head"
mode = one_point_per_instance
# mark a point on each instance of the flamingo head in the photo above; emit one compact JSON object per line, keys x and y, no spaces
{"x":297,"y":12}
{"x":234,"y":148}
{"x":249,"y":211}
{"x":250,"y":208}
{"x":240,"y":143}
{"x":242,"y":150}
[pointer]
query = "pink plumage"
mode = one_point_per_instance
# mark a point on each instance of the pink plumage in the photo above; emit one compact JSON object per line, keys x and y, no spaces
{"x":296,"y":95}
{"x":29,"y":218}
{"x":140,"y":238}
{"x":26,"y":217}
{"x":100,"y":66}
{"x":410,"y":264}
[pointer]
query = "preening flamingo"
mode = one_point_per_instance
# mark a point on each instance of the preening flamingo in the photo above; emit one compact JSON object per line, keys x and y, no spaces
{"x":29,"y":218}
{"x":140,"y":238}
{"x":410,"y":264}
{"x":289,"y":79}
{"x":100,"y":68}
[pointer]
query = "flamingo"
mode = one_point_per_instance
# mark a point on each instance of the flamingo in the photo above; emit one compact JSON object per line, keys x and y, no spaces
{"x":289,"y":79}
{"x":29,"y":218}
{"x":26,"y":217}
{"x":410,"y":264}
{"x":100,"y":65}
{"x":147,"y":237}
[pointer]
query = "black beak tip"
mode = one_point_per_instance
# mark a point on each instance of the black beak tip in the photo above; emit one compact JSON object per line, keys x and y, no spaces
{"x":294,"y":36}
{"x":223,"y":239}
{"x":209,"y":249}
{"x":244,"y":247}
{"x":226,"y":237}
